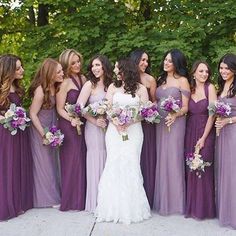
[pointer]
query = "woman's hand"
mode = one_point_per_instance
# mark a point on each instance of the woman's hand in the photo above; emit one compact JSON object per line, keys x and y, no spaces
{"x":74,"y":122}
{"x":170,"y":119}
{"x":200,"y":143}
{"x":101,"y":122}
{"x":221,"y":122}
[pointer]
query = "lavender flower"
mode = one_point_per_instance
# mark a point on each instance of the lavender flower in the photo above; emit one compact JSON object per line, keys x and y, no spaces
{"x":15,"y":118}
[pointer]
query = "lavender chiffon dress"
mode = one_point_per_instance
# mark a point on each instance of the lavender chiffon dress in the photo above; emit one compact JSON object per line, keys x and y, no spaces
{"x":200,"y":197}
{"x":72,"y":161}
{"x":45,"y":163}
{"x":95,"y":159}
{"x":169,"y":194}
{"x":16,"y":195}
{"x":226,"y":170}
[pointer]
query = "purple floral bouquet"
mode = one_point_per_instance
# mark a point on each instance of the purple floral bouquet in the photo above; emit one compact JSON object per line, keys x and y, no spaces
{"x":123,"y":116}
{"x":15,"y":118}
{"x":220,"y":109}
{"x":53,"y":137}
{"x":195,"y":162}
{"x":98,"y":109}
{"x":75,"y":111}
{"x":171,"y":105}
{"x":149,"y":112}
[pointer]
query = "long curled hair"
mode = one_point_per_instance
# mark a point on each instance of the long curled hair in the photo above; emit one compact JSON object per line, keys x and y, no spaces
{"x":192,"y":81}
{"x":180,"y":66}
{"x":136,"y":56}
{"x":65,"y":59}
{"x":107,"y":68}
{"x":128,"y":71}
{"x":230,"y":60}
{"x":44,"y":77}
{"x":7,"y":78}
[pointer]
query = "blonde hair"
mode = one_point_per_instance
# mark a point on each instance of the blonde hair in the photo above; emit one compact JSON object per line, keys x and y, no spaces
{"x":65,"y":59}
{"x":7,"y":78}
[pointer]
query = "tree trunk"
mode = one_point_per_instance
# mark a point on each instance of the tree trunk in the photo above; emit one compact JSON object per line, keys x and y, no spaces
{"x":42,"y":15}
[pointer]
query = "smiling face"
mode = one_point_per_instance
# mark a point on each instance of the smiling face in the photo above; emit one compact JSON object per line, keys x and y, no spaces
{"x":97,"y":68}
{"x":75,"y":65}
{"x":116,"y":71}
{"x":58,"y":74}
{"x":168,"y":63}
{"x":143,"y":64}
{"x":225,"y":72}
{"x":202,"y":73}
{"x":19,"y":73}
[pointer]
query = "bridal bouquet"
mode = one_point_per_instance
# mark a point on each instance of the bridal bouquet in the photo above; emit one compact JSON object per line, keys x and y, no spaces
{"x":220,"y":109}
{"x":123,"y":116}
{"x":98,"y":109}
{"x":15,"y":118}
{"x":148,"y":111}
{"x":75,"y":111}
{"x":195,"y":162}
{"x":53,"y":137}
{"x":171,"y":105}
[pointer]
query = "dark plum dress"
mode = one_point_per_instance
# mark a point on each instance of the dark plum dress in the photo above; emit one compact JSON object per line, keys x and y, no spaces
{"x":200,"y":196}
{"x":148,"y":159}
{"x":73,"y":161}
{"x":16,"y":194}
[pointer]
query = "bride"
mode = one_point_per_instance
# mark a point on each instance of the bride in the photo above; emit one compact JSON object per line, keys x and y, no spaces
{"x":121,"y":196}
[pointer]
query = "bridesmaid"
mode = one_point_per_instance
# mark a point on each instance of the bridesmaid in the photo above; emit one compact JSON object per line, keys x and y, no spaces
{"x":94,"y":90}
{"x":169,"y":184}
{"x":200,"y":202}
{"x":226,"y":143}
{"x":15,"y":155}
{"x":43,"y":114}
{"x":73,"y":150}
{"x":148,"y":155}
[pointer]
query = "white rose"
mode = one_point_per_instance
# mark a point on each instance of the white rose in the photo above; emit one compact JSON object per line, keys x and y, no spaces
{"x":8,"y":114}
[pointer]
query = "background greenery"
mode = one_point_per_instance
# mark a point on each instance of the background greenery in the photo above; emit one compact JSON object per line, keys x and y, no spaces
{"x":34,"y":30}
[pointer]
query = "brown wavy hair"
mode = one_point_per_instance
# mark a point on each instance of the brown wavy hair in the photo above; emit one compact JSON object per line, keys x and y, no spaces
{"x":107,"y":68}
{"x":129,"y":73}
{"x":65,"y":59}
{"x":43,"y":77}
{"x":192,"y":81}
{"x":7,"y":78}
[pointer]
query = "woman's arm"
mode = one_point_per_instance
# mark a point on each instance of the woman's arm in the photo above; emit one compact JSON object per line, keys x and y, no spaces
{"x":184,"y":85}
{"x":35,"y":107}
{"x":153,"y":87}
{"x":210,"y":121}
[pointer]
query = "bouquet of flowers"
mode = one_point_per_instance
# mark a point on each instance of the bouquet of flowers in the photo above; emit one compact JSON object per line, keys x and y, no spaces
{"x":75,"y":111}
{"x":53,"y":137}
{"x":220,"y":109}
{"x":98,"y":109}
{"x":195,"y":162}
{"x":171,"y":105}
{"x":148,"y":111}
{"x":123,"y":116}
{"x":15,"y":118}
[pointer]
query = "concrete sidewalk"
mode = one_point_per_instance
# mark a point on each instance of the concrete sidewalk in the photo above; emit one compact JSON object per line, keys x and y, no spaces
{"x":52,"y":222}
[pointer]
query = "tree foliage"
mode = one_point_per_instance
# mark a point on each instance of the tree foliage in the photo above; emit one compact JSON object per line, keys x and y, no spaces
{"x":36,"y":29}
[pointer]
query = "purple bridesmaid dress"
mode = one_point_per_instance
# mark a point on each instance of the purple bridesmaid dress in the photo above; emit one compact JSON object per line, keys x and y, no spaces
{"x":15,"y":171}
{"x":226,"y":170}
{"x":169,"y":193}
{"x":148,"y":159}
{"x":46,"y":182}
{"x":73,"y":161}
{"x":96,"y":157}
{"x":200,"y":192}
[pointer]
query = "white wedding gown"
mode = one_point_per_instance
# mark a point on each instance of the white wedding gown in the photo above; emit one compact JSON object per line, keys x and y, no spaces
{"x":121,"y":196}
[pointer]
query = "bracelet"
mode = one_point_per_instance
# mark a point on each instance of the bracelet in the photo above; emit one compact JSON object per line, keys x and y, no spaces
{"x":230,"y":120}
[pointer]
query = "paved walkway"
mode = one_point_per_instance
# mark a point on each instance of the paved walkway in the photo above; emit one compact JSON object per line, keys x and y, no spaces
{"x":52,"y":222}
